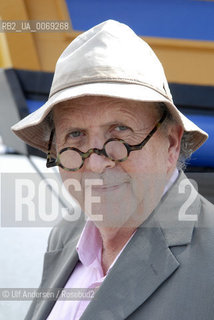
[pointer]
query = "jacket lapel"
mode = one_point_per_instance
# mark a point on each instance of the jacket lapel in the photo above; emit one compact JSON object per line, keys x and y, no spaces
{"x":142,"y":267}
{"x":178,"y":211}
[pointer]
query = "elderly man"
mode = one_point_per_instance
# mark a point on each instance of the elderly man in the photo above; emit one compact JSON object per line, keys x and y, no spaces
{"x":110,"y":125}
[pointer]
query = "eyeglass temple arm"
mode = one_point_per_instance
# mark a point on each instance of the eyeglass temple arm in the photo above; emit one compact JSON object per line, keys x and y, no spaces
{"x":140,"y":145}
{"x":50,"y":161}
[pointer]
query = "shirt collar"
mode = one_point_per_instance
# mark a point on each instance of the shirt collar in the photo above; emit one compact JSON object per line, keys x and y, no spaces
{"x":172,"y":179}
{"x":89,"y":246}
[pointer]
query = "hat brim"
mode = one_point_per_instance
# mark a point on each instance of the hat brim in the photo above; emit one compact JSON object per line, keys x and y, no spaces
{"x":34,"y":130}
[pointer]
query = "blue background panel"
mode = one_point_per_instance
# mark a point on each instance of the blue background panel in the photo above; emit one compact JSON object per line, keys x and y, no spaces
{"x":204,"y":156}
{"x":33,"y":105}
{"x":182,"y":19}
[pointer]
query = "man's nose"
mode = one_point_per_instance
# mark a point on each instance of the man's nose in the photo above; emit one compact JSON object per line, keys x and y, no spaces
{"x":98,"y":163}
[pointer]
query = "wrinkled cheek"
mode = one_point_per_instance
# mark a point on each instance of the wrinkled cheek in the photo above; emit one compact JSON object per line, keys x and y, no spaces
{"x":148,"y":189}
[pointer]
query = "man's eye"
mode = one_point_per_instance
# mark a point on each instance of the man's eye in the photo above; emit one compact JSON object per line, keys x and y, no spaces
{"x":121,"y":128}
{"x":75,"y":134}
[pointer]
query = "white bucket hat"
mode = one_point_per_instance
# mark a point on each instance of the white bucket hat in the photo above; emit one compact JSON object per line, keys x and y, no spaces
{"x":107,"y":60}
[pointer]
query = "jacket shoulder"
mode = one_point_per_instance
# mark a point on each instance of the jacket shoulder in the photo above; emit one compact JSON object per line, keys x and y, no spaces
{"x":206,"y":217}
{"x":203,"y":235}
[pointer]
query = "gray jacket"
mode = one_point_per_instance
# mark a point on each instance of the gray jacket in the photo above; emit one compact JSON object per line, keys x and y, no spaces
{"x":166,"y":272}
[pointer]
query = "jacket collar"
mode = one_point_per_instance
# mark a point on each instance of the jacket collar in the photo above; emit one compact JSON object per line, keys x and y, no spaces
{"x":178,"y":210}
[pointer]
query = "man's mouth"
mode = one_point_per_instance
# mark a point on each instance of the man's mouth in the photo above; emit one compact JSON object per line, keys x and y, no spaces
{"x":105,"y":188}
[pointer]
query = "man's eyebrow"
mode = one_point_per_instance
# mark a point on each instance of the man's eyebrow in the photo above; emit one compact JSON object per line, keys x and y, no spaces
{"x":115,"y":122}
{"x":127,"y":123}
{"x":107,"y":124}
{"x":134,"y":125}
{"x":73,"y":128}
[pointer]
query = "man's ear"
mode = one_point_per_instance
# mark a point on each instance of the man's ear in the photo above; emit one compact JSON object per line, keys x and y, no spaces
{"x":175,"y":133}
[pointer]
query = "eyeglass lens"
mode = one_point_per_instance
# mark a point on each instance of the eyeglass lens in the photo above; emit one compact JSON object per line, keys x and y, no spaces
{"x":71,"y":159}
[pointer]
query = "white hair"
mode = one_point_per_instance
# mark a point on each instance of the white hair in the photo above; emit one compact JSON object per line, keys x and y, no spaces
{"x":186,"y":147}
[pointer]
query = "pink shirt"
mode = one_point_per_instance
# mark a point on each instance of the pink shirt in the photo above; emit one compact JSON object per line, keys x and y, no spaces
{"x":88,"y":272}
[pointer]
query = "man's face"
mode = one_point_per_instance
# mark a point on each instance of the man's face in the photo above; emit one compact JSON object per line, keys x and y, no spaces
{"x":131,"y":189}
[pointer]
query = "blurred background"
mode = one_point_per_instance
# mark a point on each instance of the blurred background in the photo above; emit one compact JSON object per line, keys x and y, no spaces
{"x":181,"y":32}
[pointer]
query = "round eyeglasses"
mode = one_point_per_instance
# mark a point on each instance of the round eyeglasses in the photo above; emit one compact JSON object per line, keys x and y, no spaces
{"x":117,"y":150}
